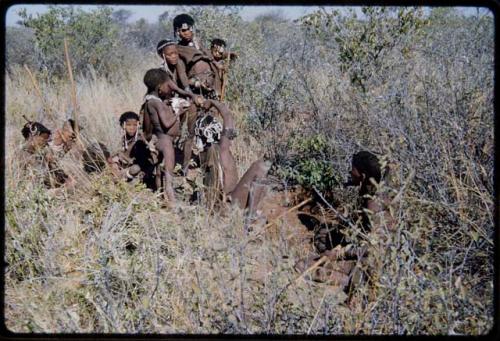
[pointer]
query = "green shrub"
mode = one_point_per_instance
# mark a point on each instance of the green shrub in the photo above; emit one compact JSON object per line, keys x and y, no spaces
{"x":19,"y":42}
{"x":362,"y":42}
{"x":310,"y":164}
{"x":92,"y":38}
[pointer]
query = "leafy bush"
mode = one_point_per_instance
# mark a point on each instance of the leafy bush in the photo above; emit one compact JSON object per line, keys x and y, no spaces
{"x":363,"y":42}
{"x":310,"y":165}
{"x":92,"y":39}
{"x":19,"y":48}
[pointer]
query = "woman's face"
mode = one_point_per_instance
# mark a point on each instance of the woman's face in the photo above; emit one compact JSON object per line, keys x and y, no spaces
{"x":171,"y":55}
{"x":185,"y":34}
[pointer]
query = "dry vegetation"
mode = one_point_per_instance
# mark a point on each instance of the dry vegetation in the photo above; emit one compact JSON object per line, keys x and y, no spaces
{"x":108,"y":259}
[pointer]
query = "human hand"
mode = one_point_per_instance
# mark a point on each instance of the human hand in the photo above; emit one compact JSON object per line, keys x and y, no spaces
{"x":207,"y":104}
{"x":198,"y":100}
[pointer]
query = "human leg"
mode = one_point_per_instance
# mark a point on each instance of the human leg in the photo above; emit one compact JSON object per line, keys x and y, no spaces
{"x":166,"y":148}
{"x":240,"y":194}
{"x":188,"y":144}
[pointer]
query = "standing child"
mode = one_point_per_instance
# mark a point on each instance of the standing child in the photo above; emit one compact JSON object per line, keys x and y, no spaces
{"x":221,"y":60}
{"x":161,"y":120}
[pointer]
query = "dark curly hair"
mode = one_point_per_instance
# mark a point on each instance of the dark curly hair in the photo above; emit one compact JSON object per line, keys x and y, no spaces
{"x":367,"y":163}
{"x":182,"y":19}
{"x":154,"y":78}
{"x":128,"y":115}
{"x":218,"y":42}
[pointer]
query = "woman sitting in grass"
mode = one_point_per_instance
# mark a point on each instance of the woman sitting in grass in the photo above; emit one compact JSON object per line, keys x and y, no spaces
{"x":38,"y":159}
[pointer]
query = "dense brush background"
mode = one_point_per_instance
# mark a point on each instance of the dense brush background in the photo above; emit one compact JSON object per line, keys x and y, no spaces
{"x":412,"y":85}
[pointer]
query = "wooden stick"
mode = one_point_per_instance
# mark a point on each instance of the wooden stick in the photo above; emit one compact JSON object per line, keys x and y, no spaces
{"x":224,"y":78}
{"x":283,"y":214}
{"x":39,"y":92}
{"x":73,"y":95}
{"x":73,"y":86}
{"x":288,"y":211}
{"x":312,"y":267}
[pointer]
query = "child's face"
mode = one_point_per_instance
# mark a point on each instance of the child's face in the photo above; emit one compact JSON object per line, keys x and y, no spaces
{"x":185,"y":34}
{"x":171,"y":55}
{"x":165,"y":91}
{"x":217,"y":52}
{"x":131,"y":125}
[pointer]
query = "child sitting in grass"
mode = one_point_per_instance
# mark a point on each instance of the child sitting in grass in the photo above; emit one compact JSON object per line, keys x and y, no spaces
{"x":69,"y":143}
{"x":137,"y":158}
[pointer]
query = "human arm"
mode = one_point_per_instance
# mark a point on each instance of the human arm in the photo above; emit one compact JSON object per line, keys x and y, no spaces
{"x":182,"y":74}
{"x":165,"y":116}
{"x":228,"y":120}
{"x":197,"y":99}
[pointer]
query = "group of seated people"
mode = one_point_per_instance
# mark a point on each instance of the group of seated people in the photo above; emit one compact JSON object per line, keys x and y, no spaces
{"x":183,"y":119}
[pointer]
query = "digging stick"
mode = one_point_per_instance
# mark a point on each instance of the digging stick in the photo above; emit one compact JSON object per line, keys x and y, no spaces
{"x":39,"y":92}
{"x":73,"y":86}
{"x":224,"y":78}
{"x":281,"y":215}
{"x":312,"y":267}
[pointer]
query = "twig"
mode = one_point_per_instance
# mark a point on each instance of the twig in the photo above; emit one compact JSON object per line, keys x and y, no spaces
{"x":281,"y":215}
{"x":73,"y":86}
{"x":317,"y":313}
{"x":312,"y":267}
{"x":288,"y":211}
{"x":398,"y":196}
{"x":39,"y":92}
{"x":158,"y":265}
{"x":476,"y":227}
{"x":224,"y":78}
{"x":337,"y":213}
